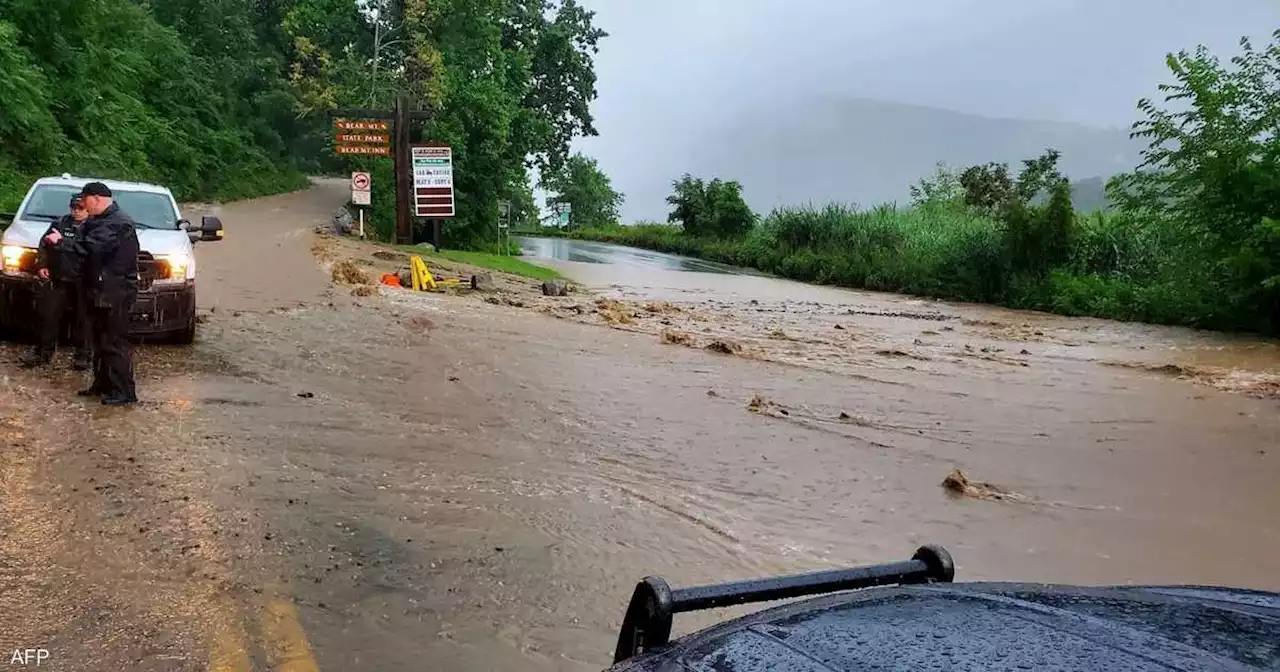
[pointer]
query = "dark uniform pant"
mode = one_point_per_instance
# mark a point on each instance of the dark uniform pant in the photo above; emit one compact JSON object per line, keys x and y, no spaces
{"x":54,"y":298}
{"x":113,"y":354}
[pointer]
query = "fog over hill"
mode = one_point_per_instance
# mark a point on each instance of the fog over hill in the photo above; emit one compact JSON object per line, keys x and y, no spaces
{"x":870,"y":152}
{"x":854,"y":100}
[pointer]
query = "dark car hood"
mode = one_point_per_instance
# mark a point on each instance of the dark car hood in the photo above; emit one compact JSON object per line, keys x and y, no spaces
{"x":992,"y":626}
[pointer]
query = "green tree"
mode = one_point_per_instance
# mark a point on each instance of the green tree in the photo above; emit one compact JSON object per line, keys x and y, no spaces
{"x":116,"y":92}
{"x":943,"y":188}
{"x":507,"y":84}
{"x":1211,"y":175}
{"x":714,"y":208}
{"x":986,"y":187}
{"x":586,"y":188}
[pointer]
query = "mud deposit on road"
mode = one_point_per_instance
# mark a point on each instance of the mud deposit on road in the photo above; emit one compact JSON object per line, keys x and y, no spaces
{"x":349,"y":482}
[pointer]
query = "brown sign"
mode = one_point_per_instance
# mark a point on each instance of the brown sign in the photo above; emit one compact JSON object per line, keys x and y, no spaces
{"x":379,"y":150}
{"x":433,"y":201}
{"x":362,"y":138}
{"x":362,"y":125}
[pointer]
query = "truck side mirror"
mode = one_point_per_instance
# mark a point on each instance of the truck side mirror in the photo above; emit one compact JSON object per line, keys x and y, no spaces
{"x":210,"y":228}
{"x":192,"y":232}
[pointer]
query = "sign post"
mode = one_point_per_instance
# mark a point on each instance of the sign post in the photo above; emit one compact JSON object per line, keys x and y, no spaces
{"x":564,"y":214}
{"x":504,"y":226}
{"x":433,"y":185}
{"x":374,"y":132}
{"x":361,"y":195}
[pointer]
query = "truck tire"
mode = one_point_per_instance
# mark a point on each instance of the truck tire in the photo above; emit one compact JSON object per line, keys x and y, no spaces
{"x":186,"y":335}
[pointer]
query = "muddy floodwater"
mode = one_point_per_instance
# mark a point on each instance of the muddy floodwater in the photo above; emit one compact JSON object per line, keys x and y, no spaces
{"x":340,"y":477}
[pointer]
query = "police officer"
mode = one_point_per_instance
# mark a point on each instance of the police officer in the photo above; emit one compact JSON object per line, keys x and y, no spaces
{"x":110,"y":249}
{"x":59,"y":268}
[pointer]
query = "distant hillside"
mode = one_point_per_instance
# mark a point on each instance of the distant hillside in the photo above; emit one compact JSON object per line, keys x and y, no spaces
{"x":869,"y":152}
{"x":1090,"y":195}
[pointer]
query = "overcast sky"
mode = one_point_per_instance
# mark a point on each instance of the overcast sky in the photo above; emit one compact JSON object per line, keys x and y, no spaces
{"x":672,"y":70}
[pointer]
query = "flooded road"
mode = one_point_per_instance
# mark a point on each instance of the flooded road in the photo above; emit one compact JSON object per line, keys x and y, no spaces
{"x":585,"y":251}
{"x":334,"y":481}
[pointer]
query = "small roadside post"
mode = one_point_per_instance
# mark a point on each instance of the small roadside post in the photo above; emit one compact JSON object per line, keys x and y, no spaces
{"x":361,"y":195}
{"x":504,"y":226}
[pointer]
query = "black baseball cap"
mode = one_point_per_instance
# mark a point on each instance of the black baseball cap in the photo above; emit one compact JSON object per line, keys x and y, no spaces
{"x":96,"y":189}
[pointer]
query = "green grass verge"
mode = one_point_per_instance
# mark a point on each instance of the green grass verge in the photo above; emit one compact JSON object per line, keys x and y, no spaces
{"x":496,"y":262}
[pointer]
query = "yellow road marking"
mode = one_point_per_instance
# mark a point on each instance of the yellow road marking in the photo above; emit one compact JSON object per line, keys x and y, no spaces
{"x":286,"y":642}
{"x":227,"y":650}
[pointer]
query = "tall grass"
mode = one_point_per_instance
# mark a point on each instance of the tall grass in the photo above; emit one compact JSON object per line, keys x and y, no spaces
{"x":1117,"y":267}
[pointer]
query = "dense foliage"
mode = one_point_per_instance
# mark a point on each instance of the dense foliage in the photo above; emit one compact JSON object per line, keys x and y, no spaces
{"x":591,"y":196}
{"x":1192,"y":237}
{"x":507,"y":84}
{"x":714,"y":208}
{"x":191,"y":93}
{"x":230,"y":98}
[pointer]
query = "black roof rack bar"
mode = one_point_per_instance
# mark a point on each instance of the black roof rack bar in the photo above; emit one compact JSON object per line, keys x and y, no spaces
{"x":647,"y":624}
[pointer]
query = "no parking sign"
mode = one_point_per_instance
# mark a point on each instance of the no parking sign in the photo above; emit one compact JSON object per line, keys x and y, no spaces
{"x":361,"y":188}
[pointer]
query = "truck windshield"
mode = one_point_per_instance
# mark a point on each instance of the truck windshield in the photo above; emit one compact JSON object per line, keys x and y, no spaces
{"x":149,"y":210}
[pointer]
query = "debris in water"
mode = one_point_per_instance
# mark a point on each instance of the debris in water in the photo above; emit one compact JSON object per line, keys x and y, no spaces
{"x":454,"y":379}
{"x":306,"y":395}
{"x":959,"y":484}
{"x":614,"y":312}
{"x":661,"y":307}
{"x":1025,"y":352}
{"x":896,"y":352}
{"x":840,"y":328}
{"x":724,"y":347}
{"x":673,"y":337}
{"x":762,"y":406}
{"x":712,"y":393}
{"x":348,"y":273}
{"x":364,"y":290}
{"x":779,"y":335}
{"x":419,"y":323}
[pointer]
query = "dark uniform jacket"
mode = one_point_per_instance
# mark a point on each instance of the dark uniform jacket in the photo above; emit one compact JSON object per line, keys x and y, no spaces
{"x":110,"y":248}
{"x":64,"y":260}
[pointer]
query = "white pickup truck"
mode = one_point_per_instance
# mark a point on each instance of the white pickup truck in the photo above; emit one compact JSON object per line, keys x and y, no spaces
{"x":166,"y":305}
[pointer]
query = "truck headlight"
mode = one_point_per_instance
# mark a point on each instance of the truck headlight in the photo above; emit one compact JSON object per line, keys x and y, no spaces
{"x":17,"y":258}
{"x":177,"y":265}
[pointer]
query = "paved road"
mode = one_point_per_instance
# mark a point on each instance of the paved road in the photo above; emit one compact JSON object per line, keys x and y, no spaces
{"x":402,"y":483}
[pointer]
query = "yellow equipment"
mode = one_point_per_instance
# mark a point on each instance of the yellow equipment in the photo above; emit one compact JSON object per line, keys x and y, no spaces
{"x":423,"y":280}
